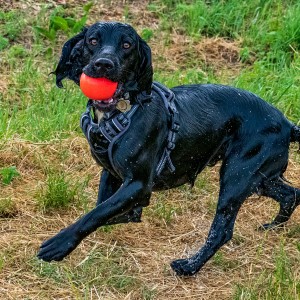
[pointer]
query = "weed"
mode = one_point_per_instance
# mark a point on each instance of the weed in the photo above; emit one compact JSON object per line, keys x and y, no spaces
{"x":147,"y":34}
{"x":225,"y":264}
{"x":9,"y":174}
{"x":162,"y":210}
{"x":2,"y":262}
{"x":211,"y":204}
{"x":17,"y":52}
{"x":148,"y":293}
{"x":107,"y":228}
{"x":183,"y":76}
{"x":11,"y":24}
{"x":96,"y":270}
{"x":48,"y":270}
{"x":7,"y":208}
{"x":57,"y":192}
{"x":58,"y":21}
{"x":279,"y":86}
{"x":294,"y":231}
{"x":4,"y":42}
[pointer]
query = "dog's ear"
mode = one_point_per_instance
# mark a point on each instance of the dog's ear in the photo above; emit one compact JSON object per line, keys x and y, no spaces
{"x":70,"y":64}
{"x":145,"y":69}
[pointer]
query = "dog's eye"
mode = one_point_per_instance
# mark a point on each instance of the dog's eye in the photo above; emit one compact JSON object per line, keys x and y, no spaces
{"x":93,"y":42}
{"x":126,"y":45}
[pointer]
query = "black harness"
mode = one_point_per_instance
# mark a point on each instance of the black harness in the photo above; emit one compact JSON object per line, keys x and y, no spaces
{"x":102,"y":136}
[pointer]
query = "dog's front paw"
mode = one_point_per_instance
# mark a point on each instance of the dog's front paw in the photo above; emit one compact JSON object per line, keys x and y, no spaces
{"x":184,"y":267}
{"x":58,"y":246}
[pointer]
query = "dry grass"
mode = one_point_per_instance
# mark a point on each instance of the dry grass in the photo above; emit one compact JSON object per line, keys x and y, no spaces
{"x":174,"y":225}
{"x":142,"y":251}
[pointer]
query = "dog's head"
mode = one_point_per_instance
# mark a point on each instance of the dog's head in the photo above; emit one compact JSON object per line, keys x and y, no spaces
{"x":111,"y":50}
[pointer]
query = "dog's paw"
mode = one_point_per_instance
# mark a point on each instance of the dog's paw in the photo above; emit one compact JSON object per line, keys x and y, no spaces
{"x":58,"y":246}
{"x":184,"y":267}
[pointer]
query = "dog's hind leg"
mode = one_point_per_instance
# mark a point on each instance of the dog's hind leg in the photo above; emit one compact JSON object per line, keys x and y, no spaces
{"x":287,"y":196}
{"x":108,"y":186}
{"x":237,"y":182}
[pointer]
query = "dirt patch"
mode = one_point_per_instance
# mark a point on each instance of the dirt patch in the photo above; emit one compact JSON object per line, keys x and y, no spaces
{"x":6,"y":5}
{"x":3,"y":85}
{"x":178,"y":52}
{"x":220,"y":53}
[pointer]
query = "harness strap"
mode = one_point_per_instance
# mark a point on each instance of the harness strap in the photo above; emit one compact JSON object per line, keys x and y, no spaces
{"x":168,"y":97}
{"x":115,"y":124}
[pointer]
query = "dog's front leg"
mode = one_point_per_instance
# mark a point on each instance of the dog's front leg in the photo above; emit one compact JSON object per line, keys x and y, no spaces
{"x":127,"y":197}
{"x":109,"y":185}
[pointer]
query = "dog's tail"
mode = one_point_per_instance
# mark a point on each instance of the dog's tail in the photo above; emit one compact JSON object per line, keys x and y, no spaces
{"x":295,"y":135}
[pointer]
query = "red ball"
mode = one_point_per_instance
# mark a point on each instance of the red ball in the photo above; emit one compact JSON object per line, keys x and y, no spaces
{"x":97,"y":88}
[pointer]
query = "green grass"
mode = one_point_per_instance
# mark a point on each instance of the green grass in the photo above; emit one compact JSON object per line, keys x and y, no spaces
{"x":101,"y":270}
{"x":279,"y":86}
{"x":8,"y":174}
{"x":59,"y":191}
{"x":264,"y":25}
{"x":11,"y":25}
{"x":35,"y":109}
{"x":277,"y":284}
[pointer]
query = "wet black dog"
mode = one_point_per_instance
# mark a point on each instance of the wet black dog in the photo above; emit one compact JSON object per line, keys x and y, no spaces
{"x":165,"y":138}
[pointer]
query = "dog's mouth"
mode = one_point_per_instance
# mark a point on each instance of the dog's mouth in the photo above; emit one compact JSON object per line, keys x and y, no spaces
{"x":111,"y":103}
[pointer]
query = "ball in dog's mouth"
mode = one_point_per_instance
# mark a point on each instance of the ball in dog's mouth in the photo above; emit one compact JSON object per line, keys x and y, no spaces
{"x":108,"y":104}
{"x":97,"y":88}
{"x":102,"y":92}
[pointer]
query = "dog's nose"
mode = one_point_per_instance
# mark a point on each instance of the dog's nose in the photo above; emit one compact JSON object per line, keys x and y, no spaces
{"x":104,"y":64}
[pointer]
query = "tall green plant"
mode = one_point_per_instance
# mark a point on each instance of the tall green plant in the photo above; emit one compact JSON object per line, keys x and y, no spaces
{"x":59,"y":22}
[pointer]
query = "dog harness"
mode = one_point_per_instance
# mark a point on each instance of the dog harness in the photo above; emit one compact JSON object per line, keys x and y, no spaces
{"x":114,"y":124}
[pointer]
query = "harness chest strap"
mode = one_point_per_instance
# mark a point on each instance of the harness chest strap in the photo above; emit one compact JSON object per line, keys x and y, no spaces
{"x":168,"y":97}
{"x":115,"y":124}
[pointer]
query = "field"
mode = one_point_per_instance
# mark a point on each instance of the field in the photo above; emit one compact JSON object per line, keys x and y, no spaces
{"x":48,"y":177}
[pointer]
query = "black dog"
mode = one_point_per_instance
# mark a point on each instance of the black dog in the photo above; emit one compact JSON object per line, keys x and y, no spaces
{"x":165,"y":138}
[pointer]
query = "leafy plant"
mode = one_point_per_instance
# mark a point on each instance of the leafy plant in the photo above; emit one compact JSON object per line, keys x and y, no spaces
{"x":58,"y":21}
{"x":4,"y":42}
{"x":8,"y":174}
{"x":147,"y":34}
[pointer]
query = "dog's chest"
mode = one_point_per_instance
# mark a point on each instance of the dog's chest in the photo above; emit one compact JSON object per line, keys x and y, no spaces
{"x":102,"y":159}
{"x":103,"y":136}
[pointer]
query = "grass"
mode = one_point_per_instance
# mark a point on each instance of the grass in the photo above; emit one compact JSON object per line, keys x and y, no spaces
{"x":279,"y":283}
{"x":59,"y":191}
{"x":99,"y":270}
{"x":279,"y":86}
{"x":250,"y":44}
{"x":7,"y":208}
{"x":56,"y":193}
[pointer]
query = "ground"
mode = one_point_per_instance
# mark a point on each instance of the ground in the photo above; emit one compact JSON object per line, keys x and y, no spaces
{"x":132,"y":261}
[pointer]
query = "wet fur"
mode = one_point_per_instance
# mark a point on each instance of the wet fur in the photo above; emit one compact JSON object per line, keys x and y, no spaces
{"x":217,"y":122}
